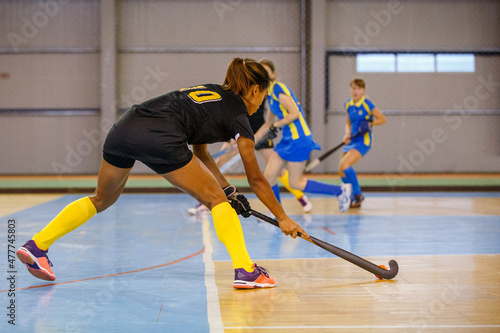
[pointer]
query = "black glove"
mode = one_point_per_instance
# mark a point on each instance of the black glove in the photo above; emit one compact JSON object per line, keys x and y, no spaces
{"x":364,"y":127}
{"x":272,"y":132}
{"x":263,"y":143}
{"x":238,"y":201}
{"x":267,"y":139}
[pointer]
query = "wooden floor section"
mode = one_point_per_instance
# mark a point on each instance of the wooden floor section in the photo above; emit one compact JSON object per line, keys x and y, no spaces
{"x":445,"y":294}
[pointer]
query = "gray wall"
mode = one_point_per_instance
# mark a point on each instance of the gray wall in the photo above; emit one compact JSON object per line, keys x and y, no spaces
{"x":50,"y":59}
{"x":423,"y":24}
{"x":461,"y":107}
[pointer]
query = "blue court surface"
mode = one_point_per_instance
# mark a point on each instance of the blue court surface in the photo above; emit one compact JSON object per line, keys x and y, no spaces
{"x":141,"y":266}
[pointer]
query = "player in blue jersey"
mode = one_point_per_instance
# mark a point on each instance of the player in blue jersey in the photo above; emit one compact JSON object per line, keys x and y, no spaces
{"x":362,"y":114}
{"x":296,"y":143}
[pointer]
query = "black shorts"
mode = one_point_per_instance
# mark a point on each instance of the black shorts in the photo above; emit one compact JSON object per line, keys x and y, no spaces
{"x":159,"y":143}
{"x":268,"y":144}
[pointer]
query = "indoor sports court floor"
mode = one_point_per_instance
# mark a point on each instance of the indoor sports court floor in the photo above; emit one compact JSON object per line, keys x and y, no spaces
{"x":145,"y":265}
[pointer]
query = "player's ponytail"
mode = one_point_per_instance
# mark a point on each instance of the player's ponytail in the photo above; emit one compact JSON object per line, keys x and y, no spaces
{"x":244,"y":73}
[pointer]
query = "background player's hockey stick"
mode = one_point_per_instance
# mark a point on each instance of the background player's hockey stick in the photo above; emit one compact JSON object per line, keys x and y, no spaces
{"x":352,"y":258}
{"x":317,"y":161}
{"x":223,"y":151}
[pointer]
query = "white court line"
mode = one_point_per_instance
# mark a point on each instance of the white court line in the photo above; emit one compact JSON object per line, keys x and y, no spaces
{"x":213,"y":307}
{"x":357,"y":327}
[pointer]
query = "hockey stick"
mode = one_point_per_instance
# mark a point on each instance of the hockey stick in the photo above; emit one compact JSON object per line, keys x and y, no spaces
{"x":317,"y":161}
{"x":352,"y":258}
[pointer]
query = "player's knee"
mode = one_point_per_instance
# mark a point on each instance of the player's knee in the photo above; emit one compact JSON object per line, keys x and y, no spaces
{"x":213,"y":198}
{"x":294,"y":184}
{"x":270,"y":179}
{"x":343,"y":165}
{"x":101,"y":203}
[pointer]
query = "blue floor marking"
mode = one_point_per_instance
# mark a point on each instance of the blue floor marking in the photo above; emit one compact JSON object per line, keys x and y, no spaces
{"x":375,"y":236}
{"x":370,"y":235}
{"x":139,"y":231}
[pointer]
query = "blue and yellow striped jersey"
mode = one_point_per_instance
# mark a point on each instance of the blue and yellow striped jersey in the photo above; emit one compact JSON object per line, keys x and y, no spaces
{"x":359,"y":111}
{"x":296,"y":129}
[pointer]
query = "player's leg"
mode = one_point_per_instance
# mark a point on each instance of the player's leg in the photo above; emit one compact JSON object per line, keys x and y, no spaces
{"x":266,"y":154}
{"x":200,"y":208}
{"x":296,"y":178}
{"x":283,"y":177}
{"x":298,"y":194}
{"x":110,"y":183}
{"x":273,"y":169}
{"x":298,"y":181}
{"x":348,"y":175}
{"x":196,"y":180}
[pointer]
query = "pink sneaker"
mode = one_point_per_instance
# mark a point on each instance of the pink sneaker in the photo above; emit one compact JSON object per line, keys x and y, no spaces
{"x":259,"y":278}
{"x":36,"y":261}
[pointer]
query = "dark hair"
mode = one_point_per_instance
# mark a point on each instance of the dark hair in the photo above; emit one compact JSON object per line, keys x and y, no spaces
{"x":359,"y":82}
{"x":268,"y":63}
{"x":243,"y":73}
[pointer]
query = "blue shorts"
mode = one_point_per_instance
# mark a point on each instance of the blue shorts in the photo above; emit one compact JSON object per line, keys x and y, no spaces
{"x":361,"y":144}
{"x":296,"y":150}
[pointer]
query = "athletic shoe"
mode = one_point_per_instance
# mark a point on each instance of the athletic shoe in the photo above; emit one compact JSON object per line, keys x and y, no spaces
{"x":36,"y":261}
{"x":259,"y":278}
{"x":200,"y":209}
{"x":356,"y":202}
{"x":306,"y":204}
{"x":345,"y":197}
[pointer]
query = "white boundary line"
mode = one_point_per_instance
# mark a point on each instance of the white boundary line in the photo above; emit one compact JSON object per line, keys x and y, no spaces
{"x":357,"y":327}
{"x":213,"y":306}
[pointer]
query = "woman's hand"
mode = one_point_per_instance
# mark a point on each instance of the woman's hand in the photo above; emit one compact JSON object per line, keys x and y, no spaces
{"x":347,"y":138}
{"x":290,"y":228}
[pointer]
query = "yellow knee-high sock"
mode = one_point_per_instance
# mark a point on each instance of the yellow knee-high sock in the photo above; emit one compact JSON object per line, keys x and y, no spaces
{"x":284,"y":180}
{"x":228,"y":228}
{"x":71,"y":217}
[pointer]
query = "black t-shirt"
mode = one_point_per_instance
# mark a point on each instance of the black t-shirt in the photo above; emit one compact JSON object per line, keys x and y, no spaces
{"x":207,"y":113}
